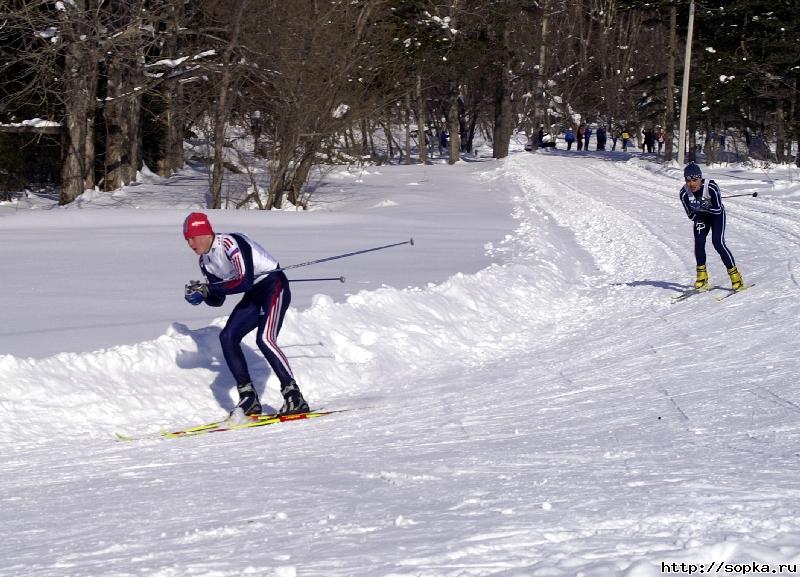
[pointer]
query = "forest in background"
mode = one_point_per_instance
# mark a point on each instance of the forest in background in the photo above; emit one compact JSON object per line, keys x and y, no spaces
{"x":91,"y":90}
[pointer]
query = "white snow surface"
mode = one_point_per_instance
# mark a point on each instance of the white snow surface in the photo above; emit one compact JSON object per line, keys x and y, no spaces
{"x":526,"y":398}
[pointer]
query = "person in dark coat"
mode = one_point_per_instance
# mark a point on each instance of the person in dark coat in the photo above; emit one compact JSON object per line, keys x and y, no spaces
{"x":569,"y":138}
{"x":703,"y":205}
{"x":601,"y":138}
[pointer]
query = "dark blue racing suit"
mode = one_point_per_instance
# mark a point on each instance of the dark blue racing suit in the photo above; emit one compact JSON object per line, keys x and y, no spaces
{"x":236,"y":264}
{"x":705,"y":208}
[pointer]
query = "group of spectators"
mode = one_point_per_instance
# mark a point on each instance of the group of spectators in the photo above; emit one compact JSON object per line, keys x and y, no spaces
{"x":651,"y":138}
{"x":714,"y":143}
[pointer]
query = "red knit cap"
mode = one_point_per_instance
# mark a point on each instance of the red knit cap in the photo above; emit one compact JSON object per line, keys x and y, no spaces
{"x":196,"y":224}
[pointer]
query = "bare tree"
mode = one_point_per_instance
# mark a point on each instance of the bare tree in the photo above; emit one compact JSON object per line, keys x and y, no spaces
{"x":126,"y":80}
{"x":504,"y":66}
{"x":79,"y":25}
{"x":172,"y":118}
{"x":222,"y":105}
{"x":124,"y":76}
{"x":312,"y":78}
{"x":669,"y":110}
{"x":86,"y":59}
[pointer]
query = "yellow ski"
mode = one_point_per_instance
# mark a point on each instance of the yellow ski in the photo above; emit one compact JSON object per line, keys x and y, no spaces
{"x":227,"y":425}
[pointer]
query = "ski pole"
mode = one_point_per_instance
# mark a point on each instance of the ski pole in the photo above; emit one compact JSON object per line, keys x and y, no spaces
{"x":339,"y":278}
{"x":744,"y":194}
{"x":411,"y":242}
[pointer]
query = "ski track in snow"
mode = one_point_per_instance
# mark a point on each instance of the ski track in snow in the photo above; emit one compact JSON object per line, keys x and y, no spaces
{"x":551,"y":415}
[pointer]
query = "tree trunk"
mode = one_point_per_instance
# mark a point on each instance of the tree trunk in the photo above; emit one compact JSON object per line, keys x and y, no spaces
{"x":120,"y":112}
{"x":408,"y":127}
{"x":121,"y":120}
{"x":453,"y":127}
{"x":389,"y":139}
{"x":365,"y":148}
{"x":80,"y":87}
{"x":794,"y":122}
{"x":501,"y":134}
{"x":538,"y":98}
{"x":471,"y":128}
{"x":691,"y":146}
{"x":136,"y":144}
{"x":172,"y":122}
{"x":277,"y":183}
{"x":300,"y":176}
{"x":172,"y":118}
{"x":221,"y":109}
{"x":780,"y":134}
{"x":421,"y":122}
{"x":73,"y":169}
{"x":116,"y":127}
{"x":89,"y":180}
{"x":669,"y":114}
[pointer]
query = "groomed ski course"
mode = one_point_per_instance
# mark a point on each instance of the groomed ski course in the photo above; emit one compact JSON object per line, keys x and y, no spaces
{"x":551,"y":413}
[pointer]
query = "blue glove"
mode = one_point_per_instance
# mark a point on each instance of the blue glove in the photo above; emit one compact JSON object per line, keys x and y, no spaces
{"x":700,"y":205}
{"x":195,"y":292}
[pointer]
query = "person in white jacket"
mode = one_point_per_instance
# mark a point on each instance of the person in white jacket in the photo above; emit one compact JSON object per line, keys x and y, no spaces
{"x":232,"y":263}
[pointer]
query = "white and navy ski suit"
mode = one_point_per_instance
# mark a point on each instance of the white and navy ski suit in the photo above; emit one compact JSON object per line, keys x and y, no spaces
{"x":705,"y":208}
{"x":236,"y":264}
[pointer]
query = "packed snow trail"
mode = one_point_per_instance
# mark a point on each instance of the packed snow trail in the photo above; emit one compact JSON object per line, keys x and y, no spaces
{"x":553,"y":414}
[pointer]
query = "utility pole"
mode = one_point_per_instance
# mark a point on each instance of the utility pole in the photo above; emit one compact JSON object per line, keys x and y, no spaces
{"x":685,"y":90}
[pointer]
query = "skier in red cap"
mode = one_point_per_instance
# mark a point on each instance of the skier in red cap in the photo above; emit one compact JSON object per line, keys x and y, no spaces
{"x":232,"y":263}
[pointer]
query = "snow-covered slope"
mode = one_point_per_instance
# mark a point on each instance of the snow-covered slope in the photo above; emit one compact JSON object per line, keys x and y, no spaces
{"x":528,"y":399}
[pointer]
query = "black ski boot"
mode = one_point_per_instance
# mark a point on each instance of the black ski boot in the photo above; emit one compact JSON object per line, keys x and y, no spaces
{"x":293,"y":401}
{"x":248,"y":400}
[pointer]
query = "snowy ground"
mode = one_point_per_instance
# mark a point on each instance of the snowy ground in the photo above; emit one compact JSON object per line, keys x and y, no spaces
{"x":528,"y":400}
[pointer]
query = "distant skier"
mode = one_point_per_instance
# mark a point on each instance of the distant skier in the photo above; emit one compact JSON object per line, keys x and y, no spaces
{"x":233,"y":263}
{"x":703,"y":204}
